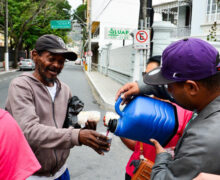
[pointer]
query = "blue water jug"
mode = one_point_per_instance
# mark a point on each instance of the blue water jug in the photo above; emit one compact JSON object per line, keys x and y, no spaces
{"x":144,"y":118}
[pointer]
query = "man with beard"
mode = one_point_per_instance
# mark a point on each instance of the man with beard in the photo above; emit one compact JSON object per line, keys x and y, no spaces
{"x":39,"y":102}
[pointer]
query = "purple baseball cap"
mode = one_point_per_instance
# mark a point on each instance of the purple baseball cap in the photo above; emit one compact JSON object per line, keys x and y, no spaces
{"x":187,"y":59}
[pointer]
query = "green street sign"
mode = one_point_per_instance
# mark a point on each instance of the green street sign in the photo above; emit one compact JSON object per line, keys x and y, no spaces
{"x":60,"y":24}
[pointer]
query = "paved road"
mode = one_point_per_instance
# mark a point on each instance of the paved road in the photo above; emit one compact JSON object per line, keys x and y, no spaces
{"x":84,"y":163}
{"x":5,"y":79}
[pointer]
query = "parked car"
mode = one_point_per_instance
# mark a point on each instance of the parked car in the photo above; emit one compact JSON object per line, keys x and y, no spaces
{"x":26,"y":64}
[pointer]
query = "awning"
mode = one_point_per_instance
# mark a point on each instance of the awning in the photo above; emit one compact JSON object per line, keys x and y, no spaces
{"x":95,"y":25}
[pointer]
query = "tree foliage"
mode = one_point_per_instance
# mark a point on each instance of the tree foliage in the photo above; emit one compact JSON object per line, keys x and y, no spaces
{"x":80,"y":16}
{"x":29,"y":19}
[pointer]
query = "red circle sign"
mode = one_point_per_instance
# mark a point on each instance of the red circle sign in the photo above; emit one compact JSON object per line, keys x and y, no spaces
{"x":141,"y":36}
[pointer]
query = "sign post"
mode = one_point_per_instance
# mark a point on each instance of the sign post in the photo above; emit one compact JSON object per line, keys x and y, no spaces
{"x":141,"y":44}
{"x":60,"y":24}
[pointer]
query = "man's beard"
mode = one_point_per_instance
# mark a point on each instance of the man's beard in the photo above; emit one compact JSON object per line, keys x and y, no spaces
{"x":46,"y":79}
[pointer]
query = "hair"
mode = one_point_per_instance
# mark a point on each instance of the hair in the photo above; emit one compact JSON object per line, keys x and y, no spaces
{"x":211,"y":83}
{"x":40,"y":52}
{"x":154,"y":59}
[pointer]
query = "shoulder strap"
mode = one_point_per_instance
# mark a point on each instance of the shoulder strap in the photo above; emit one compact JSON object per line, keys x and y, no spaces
{"x":141,"y":148}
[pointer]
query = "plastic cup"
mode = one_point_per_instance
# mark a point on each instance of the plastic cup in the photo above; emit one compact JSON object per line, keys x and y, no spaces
{"x":109,"y":140}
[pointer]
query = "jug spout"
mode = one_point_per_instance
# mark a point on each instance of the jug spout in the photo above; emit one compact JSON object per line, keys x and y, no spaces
{"x":112,"y":124}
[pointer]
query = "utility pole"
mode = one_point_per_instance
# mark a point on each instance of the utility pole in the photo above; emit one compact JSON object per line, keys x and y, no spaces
{"x":89,"y":54}
{"x":6,"y":36}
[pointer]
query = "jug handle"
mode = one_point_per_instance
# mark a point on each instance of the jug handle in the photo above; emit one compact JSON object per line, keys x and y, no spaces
{"x":117,"y":104}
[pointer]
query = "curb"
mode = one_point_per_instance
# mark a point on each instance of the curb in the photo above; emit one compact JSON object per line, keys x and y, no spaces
{"x":98,"y":95}
{"x":5,"y":72}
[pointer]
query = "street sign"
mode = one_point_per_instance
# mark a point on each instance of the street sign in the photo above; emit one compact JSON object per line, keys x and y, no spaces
{"x":142,"y":39}
{"x":60,"y":24}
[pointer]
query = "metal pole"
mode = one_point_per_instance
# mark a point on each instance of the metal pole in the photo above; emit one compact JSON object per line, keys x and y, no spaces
{"x":142,"y":57}
{"x":6,"y":36}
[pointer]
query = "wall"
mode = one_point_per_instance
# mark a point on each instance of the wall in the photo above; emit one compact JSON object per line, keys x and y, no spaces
{"x":123,"y":13}
{"x":11,"y":54}
{"x":117,"y":63}
{"x":182,"y":16}
{"x":198,"y":17}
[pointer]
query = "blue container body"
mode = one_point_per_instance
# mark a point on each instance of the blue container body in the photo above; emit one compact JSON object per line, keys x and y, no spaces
{"x":144,"y":118}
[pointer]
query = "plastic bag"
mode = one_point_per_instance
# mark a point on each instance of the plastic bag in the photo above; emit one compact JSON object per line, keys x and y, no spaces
{"x":75,"y":105}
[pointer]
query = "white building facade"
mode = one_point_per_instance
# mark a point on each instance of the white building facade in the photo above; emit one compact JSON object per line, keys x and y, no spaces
{"x":113,"y":21}
{"x":191,"y":17}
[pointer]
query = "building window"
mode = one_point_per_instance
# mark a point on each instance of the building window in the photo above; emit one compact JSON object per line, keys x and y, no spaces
{"x":213,"y":11}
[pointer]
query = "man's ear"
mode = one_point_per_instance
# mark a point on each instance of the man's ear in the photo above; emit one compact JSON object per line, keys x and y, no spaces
{"x":191,"y":87}
{"x":34,"y":55}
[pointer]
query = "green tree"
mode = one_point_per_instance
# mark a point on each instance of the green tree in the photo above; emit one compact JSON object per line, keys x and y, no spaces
{"x":29,"y":19}
{"x":212,"y":33}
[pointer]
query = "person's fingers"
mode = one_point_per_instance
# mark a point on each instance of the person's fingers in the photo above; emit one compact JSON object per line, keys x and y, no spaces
{"x":92,"y":125}
{"x":120,"y":91}
{"x":94,"y":139}
{"x":118,"y":94}
{"x":123,"y":89}
{"x":159,"y":148}
{"x":95,"y":147}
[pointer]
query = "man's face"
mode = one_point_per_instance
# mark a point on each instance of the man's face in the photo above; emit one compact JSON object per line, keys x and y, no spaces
{"x":180,"y":95}
{"x":152,"y":65}
{"x":48,"y":66}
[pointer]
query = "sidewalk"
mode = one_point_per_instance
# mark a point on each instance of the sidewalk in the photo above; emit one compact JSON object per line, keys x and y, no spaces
{"x":105,"y":87}
{"x":2,"y":70}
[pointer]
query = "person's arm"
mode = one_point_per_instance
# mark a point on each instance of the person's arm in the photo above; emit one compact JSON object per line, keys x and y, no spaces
{"x":129,"y":143}
{"x":193,"y":155}
{"x":206,"y":176}
{"x":21,"y":105}
{"x":128,"y":90}
{"x":44,"y":136}
{"x":140,"y":88}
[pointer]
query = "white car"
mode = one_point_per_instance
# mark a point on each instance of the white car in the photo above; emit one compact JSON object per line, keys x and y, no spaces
{"x":26,"y":64}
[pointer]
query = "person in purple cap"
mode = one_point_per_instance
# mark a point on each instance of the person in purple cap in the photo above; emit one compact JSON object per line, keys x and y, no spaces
{"x":38,"y":102}
{"x":191,"y":69}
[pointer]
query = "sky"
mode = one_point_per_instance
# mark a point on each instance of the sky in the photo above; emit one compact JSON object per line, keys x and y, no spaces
{"x":75,"y":3}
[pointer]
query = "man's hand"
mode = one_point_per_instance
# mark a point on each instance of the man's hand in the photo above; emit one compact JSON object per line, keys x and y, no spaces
{"x":159,"y":148}
{"x":128,"y":90}
{"x":93,"y":139}
{"x":206,"y":176}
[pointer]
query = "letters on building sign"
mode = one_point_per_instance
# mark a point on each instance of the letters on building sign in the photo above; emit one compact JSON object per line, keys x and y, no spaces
{"x":117,"y":33}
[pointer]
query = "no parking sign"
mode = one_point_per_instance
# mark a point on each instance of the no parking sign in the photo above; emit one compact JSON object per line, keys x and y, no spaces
{"x":142,"y":39}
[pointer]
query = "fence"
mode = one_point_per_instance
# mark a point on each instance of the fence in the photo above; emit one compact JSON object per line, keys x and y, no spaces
{"x":117,"y":63}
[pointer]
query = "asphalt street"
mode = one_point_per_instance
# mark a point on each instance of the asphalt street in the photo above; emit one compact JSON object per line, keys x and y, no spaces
{"x":84,"y":163}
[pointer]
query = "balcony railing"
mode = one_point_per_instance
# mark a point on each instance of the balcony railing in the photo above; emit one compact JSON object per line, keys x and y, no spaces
{"x":181,"y":32}
{"x":210,"y":18}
